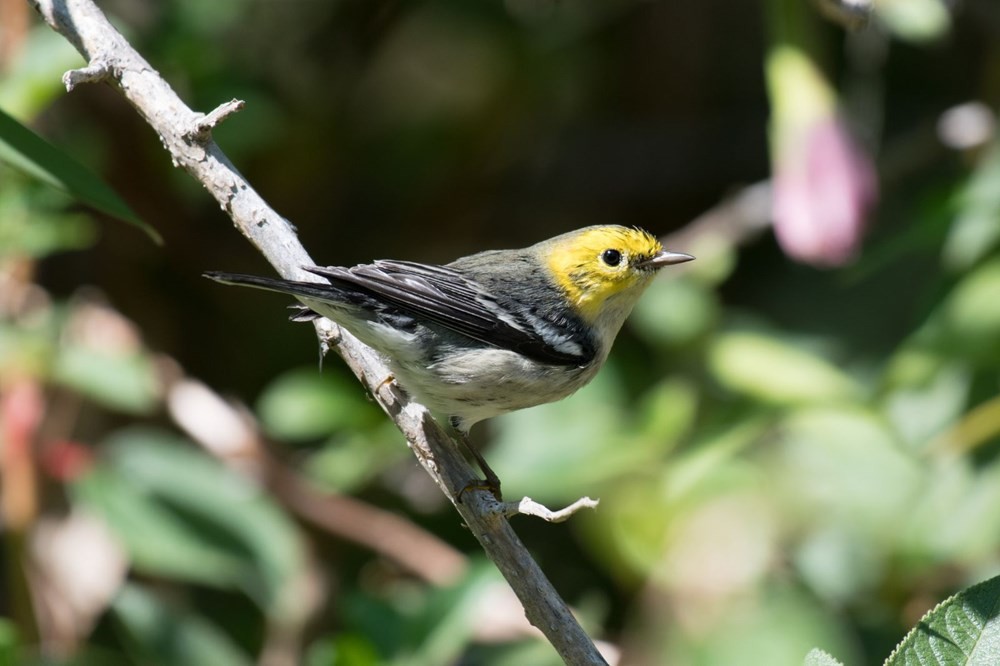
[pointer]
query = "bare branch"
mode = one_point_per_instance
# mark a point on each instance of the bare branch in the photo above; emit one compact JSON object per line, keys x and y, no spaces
{"x":110,"y":55}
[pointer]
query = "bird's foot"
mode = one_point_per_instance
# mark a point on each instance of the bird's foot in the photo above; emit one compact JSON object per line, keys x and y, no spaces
{"x":490,"y":483}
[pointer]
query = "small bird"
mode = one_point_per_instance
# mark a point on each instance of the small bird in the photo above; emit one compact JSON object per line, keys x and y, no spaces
{"x":492,"y":332}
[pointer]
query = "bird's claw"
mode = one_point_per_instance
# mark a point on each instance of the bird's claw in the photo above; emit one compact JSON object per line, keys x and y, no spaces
{"x":390,"y":378}
{"x":490,"y":483}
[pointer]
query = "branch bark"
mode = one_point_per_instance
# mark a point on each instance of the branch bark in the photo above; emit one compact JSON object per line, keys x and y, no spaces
{"x":186,"y":135}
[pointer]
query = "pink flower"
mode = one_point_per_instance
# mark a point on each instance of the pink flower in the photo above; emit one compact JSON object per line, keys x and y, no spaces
{"x":824,"y":188}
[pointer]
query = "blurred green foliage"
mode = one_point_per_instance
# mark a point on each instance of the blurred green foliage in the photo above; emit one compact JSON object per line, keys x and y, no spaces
{"x":787,"y":458}
{"x":30,"y":153}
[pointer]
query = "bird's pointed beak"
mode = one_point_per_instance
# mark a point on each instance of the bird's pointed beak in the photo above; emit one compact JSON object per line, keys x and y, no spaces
{"x":666,"y":258}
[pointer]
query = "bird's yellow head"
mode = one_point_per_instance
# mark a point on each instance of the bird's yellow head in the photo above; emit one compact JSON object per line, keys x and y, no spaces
{"x":598,"y":265}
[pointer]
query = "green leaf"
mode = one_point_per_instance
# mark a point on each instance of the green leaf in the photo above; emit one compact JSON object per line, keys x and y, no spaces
{"x":773,"y":371}
{"x":420,"y":626}
{"x":165,"y":636}
{"x":304,"y":404}
{"x":922,"y":410}
{"x":781,"y":625}
{"x":700,"y":464}
{"x":667,"y":410}
{"x":553,"y":451}
{"x":845,"y":464}
{"x":31,"y":81}
{"x":28,"y":230}
{"x":817,"y":657}
{"x":157,"y":540}
{"x":639,"y":514}
{"x":180,"y":513}
{"x":972,"y":313}
{"x":674,"y":311}
{"x":27,"y":151}
{"x":124,"y":381}
{"x":344,"y":463}
{"x":962,"y":630}
{"x":918,"y":21}
{"x":9,"y":643}
{"x":840,"y":562}
{"x":344,"y":649}
{"x":27,"y":347}
{"x":945,"y":522}
{"x":444,"y":627}
{"x":975,"y":232}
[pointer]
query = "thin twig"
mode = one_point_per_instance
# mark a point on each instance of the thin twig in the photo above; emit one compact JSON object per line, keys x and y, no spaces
{"x":529,"y":507}
{"x":396,"y":538}
{"x":83,"y":24}
{"x":202,"y":130}
{"x":95,"y":72}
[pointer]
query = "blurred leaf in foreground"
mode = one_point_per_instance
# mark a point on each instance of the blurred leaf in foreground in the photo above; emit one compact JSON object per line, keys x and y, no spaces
{"x":643,"y":513}
{"x":422,"y":626}
{"x":34,"y":223}
{"x":344,"y":649}
{"x":975,"y":231}
{"x":32,"y":154}
{"x":305,"y":404}
{"x":181,"y":514}
{"x":845,"y":465}
{"x":123,"y":381}
{"x":777,"y":630}
{"x":675,"y":311}
{"x":972,"y":314}
{"x":158,"y":634}
{"x":915,"y":20}
{"x":33,"y":80}
{"x":9,"y":642}
{"x":102,"y":356}
{"x":774,"y":371}
{"x":946,"y":521}
{"x":556,"y":451}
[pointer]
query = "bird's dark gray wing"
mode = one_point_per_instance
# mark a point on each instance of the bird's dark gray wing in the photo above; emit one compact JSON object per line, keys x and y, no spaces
{"x":450,"y":299}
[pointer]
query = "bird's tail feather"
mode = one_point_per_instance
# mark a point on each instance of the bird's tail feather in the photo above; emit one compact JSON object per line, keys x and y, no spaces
{"x":316,"y":290}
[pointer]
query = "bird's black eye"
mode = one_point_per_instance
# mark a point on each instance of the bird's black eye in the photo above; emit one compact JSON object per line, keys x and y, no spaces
{"x":611,"y":257}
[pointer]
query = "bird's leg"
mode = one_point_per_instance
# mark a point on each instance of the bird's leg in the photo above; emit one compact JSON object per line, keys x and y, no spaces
{"x":490,"y":483}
